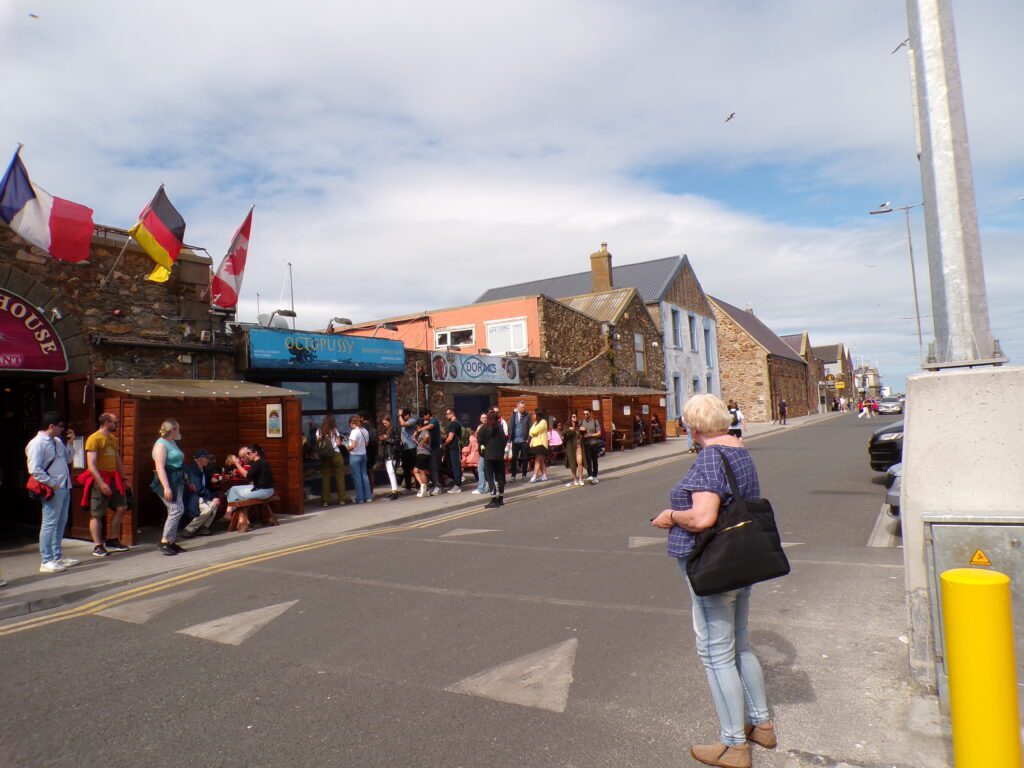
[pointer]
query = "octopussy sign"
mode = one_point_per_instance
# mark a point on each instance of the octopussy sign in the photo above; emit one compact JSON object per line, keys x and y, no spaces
{"x":28,"y":342}
{"x":474,"y":369}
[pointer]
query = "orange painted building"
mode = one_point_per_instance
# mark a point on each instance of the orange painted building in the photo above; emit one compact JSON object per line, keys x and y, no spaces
{"x":503,"y":326}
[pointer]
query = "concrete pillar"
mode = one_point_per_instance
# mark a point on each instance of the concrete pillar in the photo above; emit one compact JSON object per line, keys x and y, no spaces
{"x":959,"y":299}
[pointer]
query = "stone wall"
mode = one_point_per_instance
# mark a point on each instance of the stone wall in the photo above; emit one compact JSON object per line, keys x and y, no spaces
{"x":743,"y":366}
{"x":788,"y":380}
{"x":132,"y":327}
{"x":568,"y":338}
{"x":637,"y":320}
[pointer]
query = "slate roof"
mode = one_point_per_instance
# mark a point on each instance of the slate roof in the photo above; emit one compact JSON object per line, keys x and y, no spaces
{"x":794,"y":340}
{"x":760,"y":332}
{"x":650,"y":278}
{"x":828,"y":354}
{"x":605,"y":307}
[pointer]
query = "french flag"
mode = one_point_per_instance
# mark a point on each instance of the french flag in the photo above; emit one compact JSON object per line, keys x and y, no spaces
{"x":61,"y":228}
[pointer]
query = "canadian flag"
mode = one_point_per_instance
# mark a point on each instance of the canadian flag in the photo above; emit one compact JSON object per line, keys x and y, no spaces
{"x":227,"y":283}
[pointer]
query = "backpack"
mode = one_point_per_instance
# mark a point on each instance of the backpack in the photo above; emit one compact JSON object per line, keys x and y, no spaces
{"x":325,"y":446}
{"x":735,"y":416}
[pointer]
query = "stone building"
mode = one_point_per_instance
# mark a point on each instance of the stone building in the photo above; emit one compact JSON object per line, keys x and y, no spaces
{"x":758,"y":368}
{"x":838,"y":370}
{"x":676,"y":301}
{"x":816,"y":391}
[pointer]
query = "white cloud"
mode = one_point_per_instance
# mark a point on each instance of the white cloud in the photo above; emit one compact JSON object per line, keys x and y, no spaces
{"x":405,"y":155}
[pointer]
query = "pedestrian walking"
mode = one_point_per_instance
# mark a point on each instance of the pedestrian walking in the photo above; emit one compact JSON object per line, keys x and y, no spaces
{"x":493,"y":439}
{"x":103,"y":486}
{"x":332,"y":463}
{"x":453,"y":449}
{"x":737,"y":422}
{"x":169,"y":483}
{"x":520,"y":435}
{"x":422,"y":469}
{"x":539,"y":446}
{"x":372,"y":449}
{"x":783,"y":410}
{"x":390,"y":453}
{"x":720,"y":621}
{"x":432,"y":427}
{"x":573,"y":450}
{"x":47,"y":458}
{"x":590,"y":433}
{"x":357,"y":458}
{"x":481,"y":477}
{"x":408,"y":424}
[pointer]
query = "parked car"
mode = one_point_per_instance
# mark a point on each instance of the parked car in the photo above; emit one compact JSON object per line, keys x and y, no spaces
{"x":886,"y":446}
{"x":893,"y":484}
{"x":890,"y":405}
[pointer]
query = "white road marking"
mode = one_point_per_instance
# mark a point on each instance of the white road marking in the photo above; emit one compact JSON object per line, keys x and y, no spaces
{"x":236,"y":629}
{"x":540,"y":680}
{"x":141,"y":611}
{"x":468,"y":532}
{"x":792,"y":544}
{"x":645,"y":541}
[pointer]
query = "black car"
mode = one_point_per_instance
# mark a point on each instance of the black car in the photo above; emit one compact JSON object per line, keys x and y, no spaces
{"x":886,"y":446}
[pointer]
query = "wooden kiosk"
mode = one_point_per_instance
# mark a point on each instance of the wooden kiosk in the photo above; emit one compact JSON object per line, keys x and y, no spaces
{"x":219,"y":416}
{"x":614,"y":406}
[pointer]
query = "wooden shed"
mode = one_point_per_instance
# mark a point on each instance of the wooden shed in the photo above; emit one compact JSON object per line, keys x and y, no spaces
{"x":219,"y":416}
{"x":614,"y":406}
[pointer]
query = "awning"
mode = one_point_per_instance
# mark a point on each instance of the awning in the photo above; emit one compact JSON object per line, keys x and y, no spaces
{"x":568,"y":390}
{"x":181,"y":389}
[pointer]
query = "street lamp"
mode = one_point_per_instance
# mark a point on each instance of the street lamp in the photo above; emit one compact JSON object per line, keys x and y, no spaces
{"x":887,"y":208}
{"x":283,"y":313}
{"x":339,"y":321}
{"x":384,"y":326}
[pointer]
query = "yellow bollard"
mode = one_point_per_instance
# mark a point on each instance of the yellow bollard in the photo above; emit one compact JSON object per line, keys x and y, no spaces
{"x":978,"y":628}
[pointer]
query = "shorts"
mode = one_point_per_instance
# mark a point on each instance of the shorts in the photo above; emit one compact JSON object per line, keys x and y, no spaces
{"x":99,"y":504}
{"x":736,"y":432}
{"x":423,"y":461}
{"x":538,"y":450}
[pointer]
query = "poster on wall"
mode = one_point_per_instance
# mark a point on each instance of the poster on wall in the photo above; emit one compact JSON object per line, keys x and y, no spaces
{"x":595,"y":405}
{"x":275,"y":422}
{"x":646,"y":409}
{"x":473,"y":369}
{"x":661,"y":401}
{"x":627,"y":411}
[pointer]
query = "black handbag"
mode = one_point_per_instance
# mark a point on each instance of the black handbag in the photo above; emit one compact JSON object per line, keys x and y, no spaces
{"x":742,"y":548}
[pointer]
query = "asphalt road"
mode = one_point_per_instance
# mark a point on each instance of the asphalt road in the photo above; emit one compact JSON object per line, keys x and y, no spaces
{"x":548,"y":633}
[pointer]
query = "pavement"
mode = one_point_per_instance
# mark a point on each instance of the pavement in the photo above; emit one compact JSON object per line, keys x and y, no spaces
{"x":551,"y":632}
{"x":29,"y":591}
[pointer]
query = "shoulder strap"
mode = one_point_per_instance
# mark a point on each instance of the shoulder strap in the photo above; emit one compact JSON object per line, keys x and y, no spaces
{"x":734,"y":486}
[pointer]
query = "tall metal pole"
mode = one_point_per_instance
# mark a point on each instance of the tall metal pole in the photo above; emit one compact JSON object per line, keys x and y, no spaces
{"x":963,"y":335}
{"x":291,"y":290}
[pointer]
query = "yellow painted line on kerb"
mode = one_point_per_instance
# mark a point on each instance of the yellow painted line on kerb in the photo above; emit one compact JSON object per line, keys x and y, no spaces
{"x":95,"y":606}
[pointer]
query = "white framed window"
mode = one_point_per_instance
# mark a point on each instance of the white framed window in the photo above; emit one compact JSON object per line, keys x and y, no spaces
{"x":638,"y":348}
{"x":677,"y":330}
{"x":460,"y":336}
{"x":507,"y":336}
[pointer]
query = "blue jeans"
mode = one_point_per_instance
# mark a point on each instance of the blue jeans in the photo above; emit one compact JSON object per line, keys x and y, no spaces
{"x":734,"y":673}
{"x":455,"y":462}
{"x":246,"y":492}
{"x":357,"y":462}
{"x":55,"y":519}
{"x":482,"y":484}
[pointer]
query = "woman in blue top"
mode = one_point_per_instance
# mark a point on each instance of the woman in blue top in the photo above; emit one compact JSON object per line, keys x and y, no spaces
{"x":719,"y":621}
{"x":169,"y":463}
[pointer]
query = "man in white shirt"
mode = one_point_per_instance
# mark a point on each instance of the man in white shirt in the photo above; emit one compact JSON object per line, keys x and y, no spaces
{"x":48,"y":460}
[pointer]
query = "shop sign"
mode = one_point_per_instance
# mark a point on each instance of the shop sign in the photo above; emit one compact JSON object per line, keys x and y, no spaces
{"x":300,"y":351}
{"x":473,"y":369}
{"x":27,"y":340}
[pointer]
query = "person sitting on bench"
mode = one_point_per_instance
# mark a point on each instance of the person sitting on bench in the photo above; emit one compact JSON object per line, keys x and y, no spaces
{"x":261,"y":477}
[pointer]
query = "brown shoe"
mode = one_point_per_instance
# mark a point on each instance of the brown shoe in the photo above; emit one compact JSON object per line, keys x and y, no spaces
{"x":721,"y":755}
{"x":763,"y":735}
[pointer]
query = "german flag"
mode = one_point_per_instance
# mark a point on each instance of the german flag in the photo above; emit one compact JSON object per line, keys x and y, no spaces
{"x":160,"y":231}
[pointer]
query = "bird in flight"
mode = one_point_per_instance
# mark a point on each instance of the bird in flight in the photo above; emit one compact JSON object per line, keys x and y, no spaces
{"x":33,"y":15}
{"x":899,"y":46}
{"x":730,"y":117}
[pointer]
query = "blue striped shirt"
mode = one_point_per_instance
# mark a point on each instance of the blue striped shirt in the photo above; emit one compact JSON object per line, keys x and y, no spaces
{"x":708,"y":474}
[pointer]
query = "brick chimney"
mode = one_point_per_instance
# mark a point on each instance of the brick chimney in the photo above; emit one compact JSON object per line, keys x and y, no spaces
{"x":601,"y":270}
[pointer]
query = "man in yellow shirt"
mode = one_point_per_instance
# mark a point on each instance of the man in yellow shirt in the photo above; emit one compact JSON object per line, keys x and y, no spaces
{"x":104,"y":486}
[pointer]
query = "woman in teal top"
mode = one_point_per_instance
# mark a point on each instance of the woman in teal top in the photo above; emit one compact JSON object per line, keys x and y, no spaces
{"x":169,"y":464}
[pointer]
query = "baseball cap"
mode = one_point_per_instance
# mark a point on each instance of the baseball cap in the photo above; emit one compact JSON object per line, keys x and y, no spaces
{"x":202,"y":453}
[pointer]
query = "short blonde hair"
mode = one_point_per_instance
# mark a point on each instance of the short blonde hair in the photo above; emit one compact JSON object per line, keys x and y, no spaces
{"x":167,"y":427}
{"x":707,"y":414}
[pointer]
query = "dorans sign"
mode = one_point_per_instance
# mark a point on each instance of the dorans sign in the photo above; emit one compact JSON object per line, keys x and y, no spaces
{"x":28,"y":342}
{"x":295,"y":350}
{"x":473,"y":369}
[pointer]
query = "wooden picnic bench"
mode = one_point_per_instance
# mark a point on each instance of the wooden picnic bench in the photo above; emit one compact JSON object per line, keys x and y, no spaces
{"x":261,"y":510}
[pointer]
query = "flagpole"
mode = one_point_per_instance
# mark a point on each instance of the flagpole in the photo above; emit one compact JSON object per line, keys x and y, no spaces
{"x":106,"y":279}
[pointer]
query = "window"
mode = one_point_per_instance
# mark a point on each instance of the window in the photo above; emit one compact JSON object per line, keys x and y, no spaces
{"x":693,"y":332}
{"x":638,"y":347}
{"x":707,"y":347}
{"x":696,"y":385}
{"x":345,"y":396}
{"x":455,"y":337}
{"x":677,"y":395}
{"x":677,"y":329}
{"x":507,"y":336}
{"x":708,"y":390}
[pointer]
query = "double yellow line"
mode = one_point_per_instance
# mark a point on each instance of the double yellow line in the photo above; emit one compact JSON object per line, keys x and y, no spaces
{"x":96,"y":606}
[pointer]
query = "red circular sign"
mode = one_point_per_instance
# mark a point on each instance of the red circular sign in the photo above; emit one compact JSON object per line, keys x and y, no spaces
{"x":27,"y":340}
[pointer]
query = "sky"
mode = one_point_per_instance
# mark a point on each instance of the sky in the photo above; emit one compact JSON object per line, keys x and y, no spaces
{"x":407,"y":156}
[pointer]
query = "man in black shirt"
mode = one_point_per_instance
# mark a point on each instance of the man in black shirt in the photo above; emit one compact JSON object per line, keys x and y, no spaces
{"x":493,"y":439}
{"x":453,"y":449}
{"x":259,"y":475}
